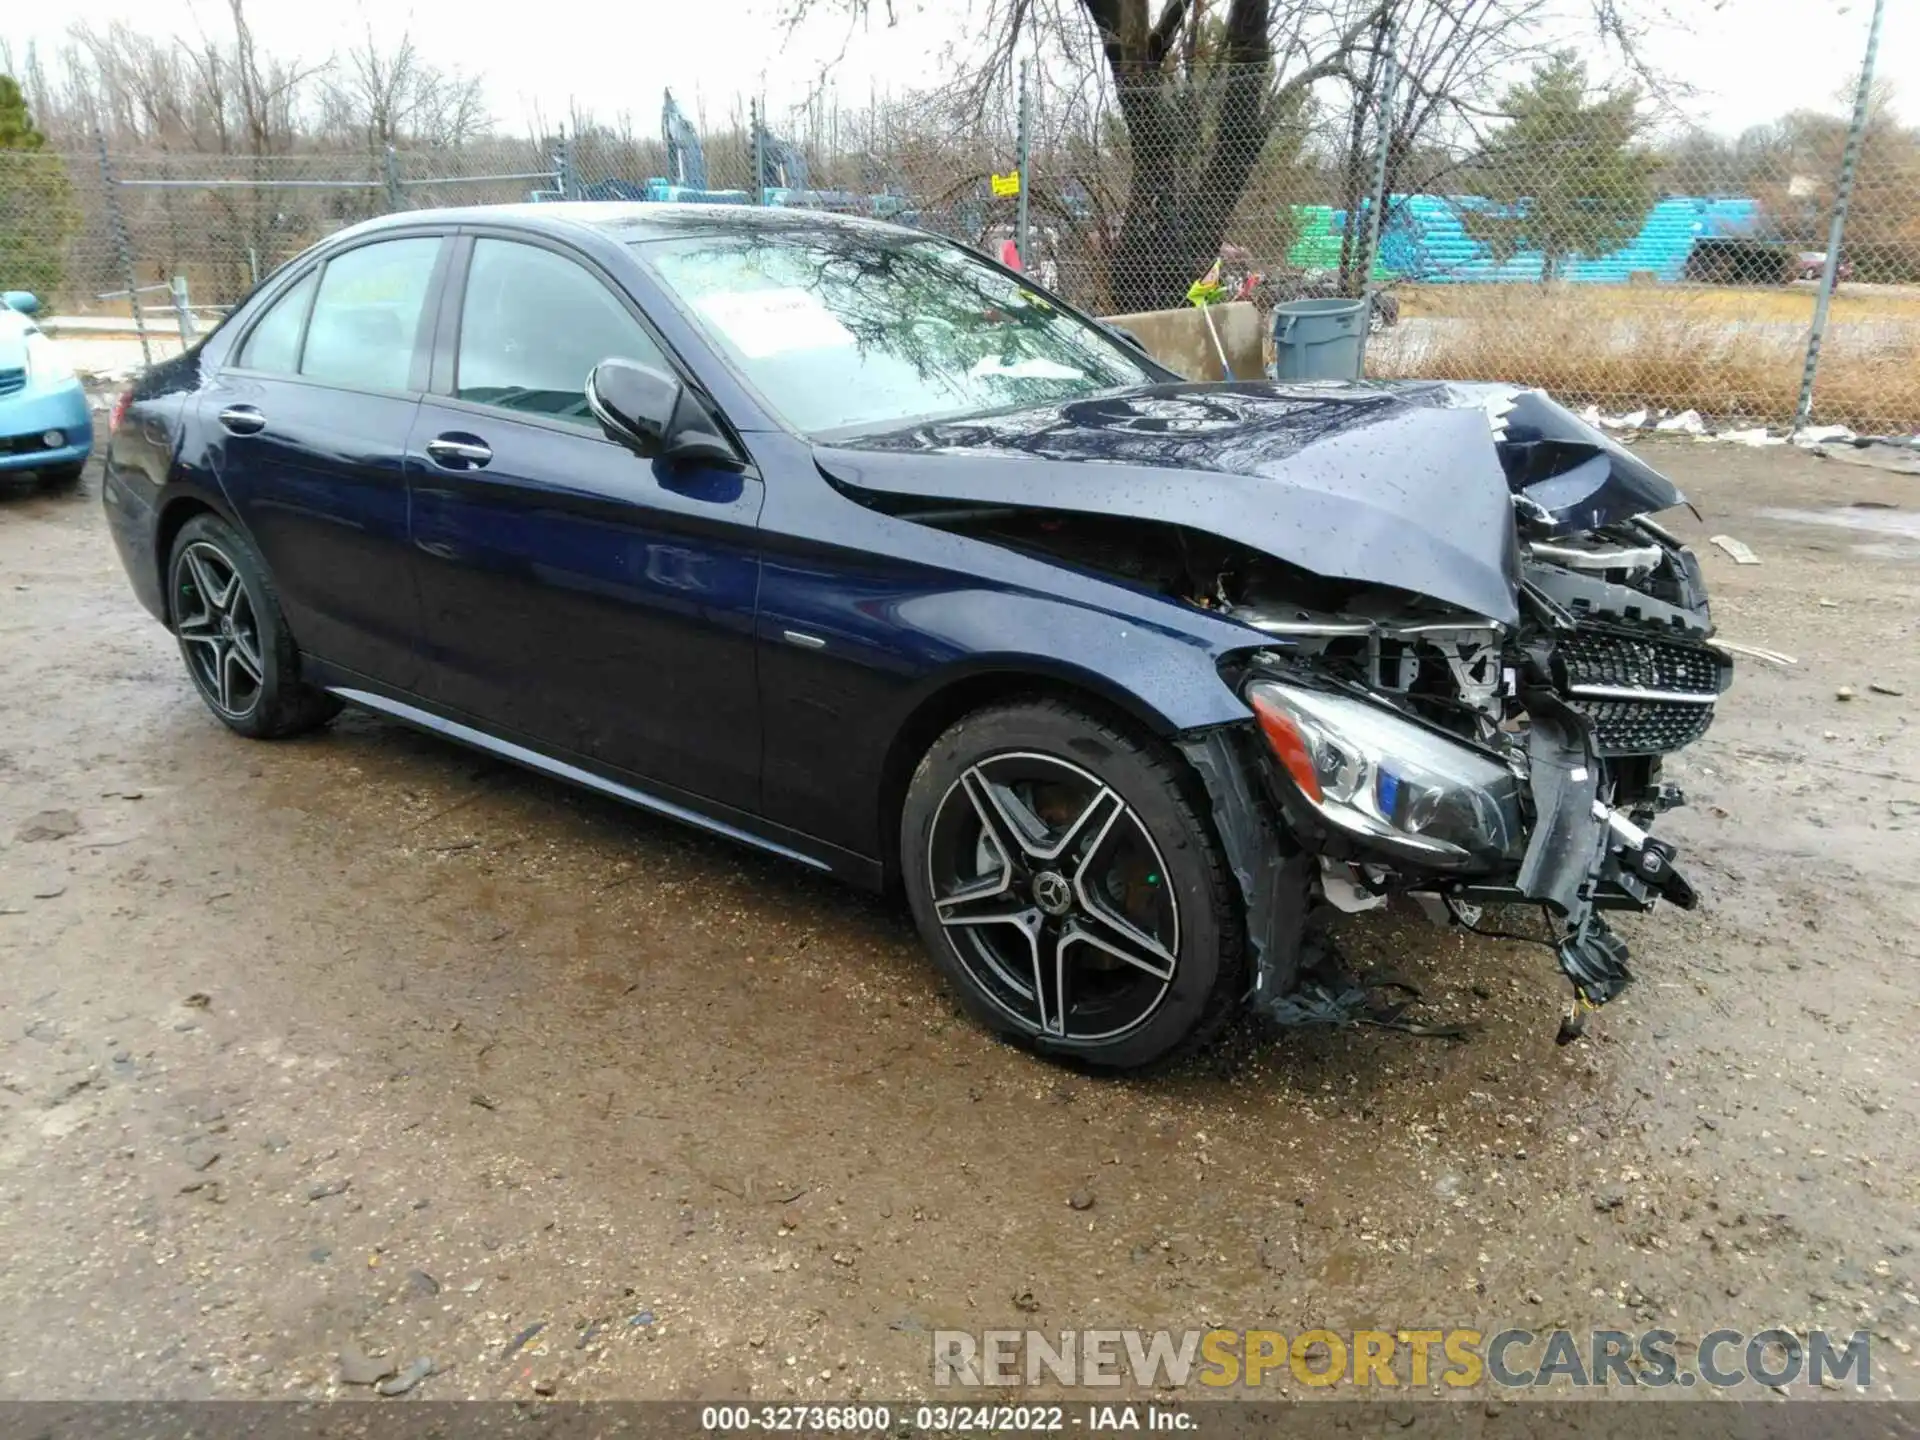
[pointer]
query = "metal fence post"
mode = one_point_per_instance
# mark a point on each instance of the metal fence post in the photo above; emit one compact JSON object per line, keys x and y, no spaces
{"x":563,"y":167}
{"x":1369,"y":288}
{"x":396,"y":195}
{"x":759,"y":152}
{"x":117,"y":223}
{"x":1023,"y":142}
{"x":182,"y":311}
{"x":1830,"y":273}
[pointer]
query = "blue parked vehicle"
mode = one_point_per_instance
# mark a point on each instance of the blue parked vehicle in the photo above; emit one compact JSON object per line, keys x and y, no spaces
{"x":45,"y":426}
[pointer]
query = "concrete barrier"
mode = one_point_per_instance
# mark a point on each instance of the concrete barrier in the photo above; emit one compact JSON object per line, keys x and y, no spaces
{"x":1178,"y":339}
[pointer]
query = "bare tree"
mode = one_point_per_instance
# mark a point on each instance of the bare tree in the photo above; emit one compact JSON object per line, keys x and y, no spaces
{"x":1201,"y":103}
{"x":268,"y":90}
{"x":1200,"y":89}
{"x":392,"y":95}
{"x":1798,"y":160}
{"x":1201,"y":92}
{"x":137,"y":88}
{"x":1450,"y":60}
{"x":212,"y":95}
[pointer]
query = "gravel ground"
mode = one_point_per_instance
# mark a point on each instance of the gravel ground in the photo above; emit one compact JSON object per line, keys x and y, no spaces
{"x":366,"y":1043}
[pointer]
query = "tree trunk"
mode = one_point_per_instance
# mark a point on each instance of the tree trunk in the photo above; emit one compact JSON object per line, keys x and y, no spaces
{"x":1195,"y":133}
{"x":1355,"y":174}
{"x":1183,"y":191}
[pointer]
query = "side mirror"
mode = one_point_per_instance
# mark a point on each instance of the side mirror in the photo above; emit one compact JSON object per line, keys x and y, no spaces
{"x":653,"y":414}
{"x":24,"y":301}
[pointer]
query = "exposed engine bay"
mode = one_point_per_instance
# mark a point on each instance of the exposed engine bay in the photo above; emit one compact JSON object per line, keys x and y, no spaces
{"x":1413,"y":744}
{"x":1603,"y":676}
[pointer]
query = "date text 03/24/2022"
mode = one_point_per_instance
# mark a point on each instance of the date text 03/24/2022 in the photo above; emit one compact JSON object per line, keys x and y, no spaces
{"x":961,"y":1419}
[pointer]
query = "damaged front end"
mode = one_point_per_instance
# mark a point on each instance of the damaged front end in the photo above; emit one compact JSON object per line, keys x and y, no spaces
{"x":1477,"y":647}
{"x":1461,"y":761}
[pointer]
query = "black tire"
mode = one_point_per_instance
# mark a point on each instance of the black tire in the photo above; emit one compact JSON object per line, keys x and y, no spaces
{"x":1152,"y":879}
{"x":62,"y":477}
{"x":226,"y":615}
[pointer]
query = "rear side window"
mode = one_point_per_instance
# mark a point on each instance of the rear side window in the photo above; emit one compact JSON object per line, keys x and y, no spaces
{"x":367,"y":314}
{"x":533,"y":324}
{"x":274,"y":345}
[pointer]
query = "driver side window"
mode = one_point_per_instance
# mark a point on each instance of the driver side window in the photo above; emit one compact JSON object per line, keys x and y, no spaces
{"x":532,"y":324}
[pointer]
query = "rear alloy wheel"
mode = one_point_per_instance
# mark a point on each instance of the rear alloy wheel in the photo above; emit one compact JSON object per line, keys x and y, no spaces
{"x":219,"y":632}
{"x":233,"y":638}
{"x":1062,"y":878}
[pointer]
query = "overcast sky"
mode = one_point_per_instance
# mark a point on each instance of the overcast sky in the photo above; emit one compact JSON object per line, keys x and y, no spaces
{"x":1750,"y":60}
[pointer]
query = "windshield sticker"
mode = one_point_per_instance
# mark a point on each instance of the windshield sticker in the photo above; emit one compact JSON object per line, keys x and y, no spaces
{"x":1032,"y":368}
{"x":762,"y":323}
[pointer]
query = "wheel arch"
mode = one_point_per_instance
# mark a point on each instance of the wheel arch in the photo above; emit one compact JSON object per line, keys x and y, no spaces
{"x":961,"y":693}
{"x":174,"y":514}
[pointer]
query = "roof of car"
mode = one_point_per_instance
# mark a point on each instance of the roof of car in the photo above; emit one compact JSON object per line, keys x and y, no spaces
{"x":640,"y":220}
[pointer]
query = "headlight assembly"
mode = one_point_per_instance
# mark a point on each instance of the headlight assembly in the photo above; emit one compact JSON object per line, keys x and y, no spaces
{"x":1391,"y":782}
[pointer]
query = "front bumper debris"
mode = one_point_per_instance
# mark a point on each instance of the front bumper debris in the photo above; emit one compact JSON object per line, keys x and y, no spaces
{"x":1583,"y":857}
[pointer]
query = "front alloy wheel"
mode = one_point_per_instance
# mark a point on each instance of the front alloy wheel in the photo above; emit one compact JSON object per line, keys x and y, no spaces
{"x":1054,"y":896}
{"x":1063,"y":878}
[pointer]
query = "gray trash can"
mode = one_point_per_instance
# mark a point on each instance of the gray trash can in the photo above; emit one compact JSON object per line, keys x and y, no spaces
{"x":1318,"y":339}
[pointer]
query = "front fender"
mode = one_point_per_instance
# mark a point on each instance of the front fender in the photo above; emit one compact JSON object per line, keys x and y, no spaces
{"x":1166,"y":679}
{"x":870,"y":673}
{"x":874,"y":627}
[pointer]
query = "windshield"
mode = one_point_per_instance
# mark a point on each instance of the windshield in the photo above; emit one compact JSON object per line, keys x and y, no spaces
{"x":840,"y":329}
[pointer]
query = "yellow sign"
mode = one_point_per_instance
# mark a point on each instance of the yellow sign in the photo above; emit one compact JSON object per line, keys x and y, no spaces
{"x":1006,"y":184}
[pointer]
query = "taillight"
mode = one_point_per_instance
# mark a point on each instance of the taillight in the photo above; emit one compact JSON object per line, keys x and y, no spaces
{"x":119,"y":411}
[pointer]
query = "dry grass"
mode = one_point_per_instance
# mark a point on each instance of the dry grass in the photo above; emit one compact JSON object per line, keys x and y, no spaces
{"x":1716,"y":350}
{"x":1782,"y":304}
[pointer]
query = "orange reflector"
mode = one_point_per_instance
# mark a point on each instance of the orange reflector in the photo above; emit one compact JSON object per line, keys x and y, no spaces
{"x":1285,"y":738}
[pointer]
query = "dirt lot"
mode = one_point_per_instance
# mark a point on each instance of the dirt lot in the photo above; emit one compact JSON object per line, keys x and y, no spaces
{"x":366,"y":1040}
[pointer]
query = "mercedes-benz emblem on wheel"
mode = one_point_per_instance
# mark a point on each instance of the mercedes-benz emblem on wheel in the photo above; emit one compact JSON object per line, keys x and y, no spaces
{"x":1051,"y":892}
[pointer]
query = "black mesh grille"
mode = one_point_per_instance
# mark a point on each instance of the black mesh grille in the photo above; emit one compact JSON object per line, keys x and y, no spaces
{"x":1640,"y":662}
{"x":1644,"y":727}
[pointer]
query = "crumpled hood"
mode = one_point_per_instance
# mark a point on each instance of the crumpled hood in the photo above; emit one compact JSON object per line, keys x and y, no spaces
{"x":1349,"y":481}
{"x":1575,"y":476}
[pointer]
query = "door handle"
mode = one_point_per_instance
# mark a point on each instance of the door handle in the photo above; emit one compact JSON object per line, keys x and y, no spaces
{"x":459,"y":454}
{"x":243,"y":420}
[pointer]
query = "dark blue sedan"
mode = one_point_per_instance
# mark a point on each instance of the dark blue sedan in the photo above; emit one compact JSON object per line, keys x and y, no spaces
{"x":842,"y":541}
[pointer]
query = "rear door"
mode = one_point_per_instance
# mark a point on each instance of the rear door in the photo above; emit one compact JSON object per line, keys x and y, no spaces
{"x":310,"y":422}
{"x":573,"y":593}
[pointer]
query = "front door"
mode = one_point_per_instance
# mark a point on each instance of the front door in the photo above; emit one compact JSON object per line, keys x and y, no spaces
{"x":310,"y":421}
{"x":574,"y":594}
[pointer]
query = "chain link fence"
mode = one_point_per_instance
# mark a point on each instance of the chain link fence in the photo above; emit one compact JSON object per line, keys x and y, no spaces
{"x":1562,"y":242}
{"x":168,"y":242}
